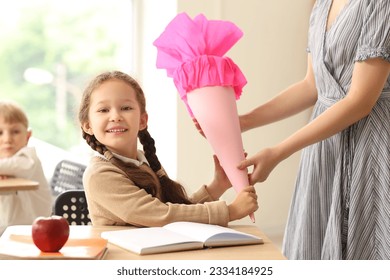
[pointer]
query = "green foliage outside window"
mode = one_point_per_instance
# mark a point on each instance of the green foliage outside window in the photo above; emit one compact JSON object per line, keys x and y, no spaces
{"x":82,"y":37}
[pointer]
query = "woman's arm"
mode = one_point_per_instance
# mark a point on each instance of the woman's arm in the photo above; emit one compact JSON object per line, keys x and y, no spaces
{"x":368,"y":81}
{"x":291,"y":101}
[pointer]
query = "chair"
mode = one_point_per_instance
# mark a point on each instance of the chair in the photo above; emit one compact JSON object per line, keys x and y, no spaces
{"x":72,"y":205}
{"x":67,"y":175}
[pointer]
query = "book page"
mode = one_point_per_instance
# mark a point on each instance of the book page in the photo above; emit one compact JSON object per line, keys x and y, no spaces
{"x":213,"y":235}
{"x":151,"y":240}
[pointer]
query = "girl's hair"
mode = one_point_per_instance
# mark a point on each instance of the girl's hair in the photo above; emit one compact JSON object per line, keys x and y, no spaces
{"x":12,"y":113}
{"x":171,"y":191}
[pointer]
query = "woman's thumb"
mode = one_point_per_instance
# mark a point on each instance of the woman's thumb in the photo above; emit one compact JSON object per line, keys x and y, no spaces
{"x":244,"y":164}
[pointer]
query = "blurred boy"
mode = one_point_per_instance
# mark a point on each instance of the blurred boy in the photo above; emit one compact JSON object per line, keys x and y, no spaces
{"x":18,"y":160}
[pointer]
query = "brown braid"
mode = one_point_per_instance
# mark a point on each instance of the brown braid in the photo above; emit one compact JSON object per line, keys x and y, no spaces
{"x":171,"y":190}
{"x":141,"y":178}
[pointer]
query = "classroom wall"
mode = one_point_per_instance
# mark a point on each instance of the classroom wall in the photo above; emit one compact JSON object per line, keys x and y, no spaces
{"x":271,"y":54}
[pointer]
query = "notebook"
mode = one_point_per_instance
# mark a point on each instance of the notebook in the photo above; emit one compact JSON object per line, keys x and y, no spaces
{"x":178,"y":236}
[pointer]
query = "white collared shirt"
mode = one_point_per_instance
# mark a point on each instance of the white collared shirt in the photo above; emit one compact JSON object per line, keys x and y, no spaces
{"x":141,"y":159}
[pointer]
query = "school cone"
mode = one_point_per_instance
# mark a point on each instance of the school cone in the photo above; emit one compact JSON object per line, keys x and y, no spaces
{"x":215,"y":109}
{"x":192,"y":52}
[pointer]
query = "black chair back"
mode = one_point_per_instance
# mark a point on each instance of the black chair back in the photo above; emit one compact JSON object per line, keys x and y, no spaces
{"x":72,"y":205}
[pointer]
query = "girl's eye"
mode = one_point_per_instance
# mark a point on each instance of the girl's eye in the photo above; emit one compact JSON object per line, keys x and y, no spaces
{"x":103,"y":110}
{"x":126,"y":108}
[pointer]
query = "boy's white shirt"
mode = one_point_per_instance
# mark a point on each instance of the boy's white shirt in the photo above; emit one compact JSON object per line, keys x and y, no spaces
{"x":21,"y":208}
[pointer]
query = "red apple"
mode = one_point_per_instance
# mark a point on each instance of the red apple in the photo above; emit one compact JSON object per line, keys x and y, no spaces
{"x":50,"y":233}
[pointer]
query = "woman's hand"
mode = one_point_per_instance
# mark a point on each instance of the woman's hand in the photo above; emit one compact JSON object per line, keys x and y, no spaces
{"x":263,"y":163}
{"x":244,"y":204}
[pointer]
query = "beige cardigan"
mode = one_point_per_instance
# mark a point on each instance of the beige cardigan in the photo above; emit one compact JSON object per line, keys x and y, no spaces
{"x":113,"y":199}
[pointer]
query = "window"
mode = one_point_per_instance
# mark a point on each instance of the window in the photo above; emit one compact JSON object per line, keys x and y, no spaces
{"x":51,"y":49}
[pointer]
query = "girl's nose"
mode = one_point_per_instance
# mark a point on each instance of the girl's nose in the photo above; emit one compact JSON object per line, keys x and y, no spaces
{"x":115,"y":116}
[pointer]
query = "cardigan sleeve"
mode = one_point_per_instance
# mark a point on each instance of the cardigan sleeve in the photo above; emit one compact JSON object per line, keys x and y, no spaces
{"x":113,"y":199}
{"x":201,"y":196}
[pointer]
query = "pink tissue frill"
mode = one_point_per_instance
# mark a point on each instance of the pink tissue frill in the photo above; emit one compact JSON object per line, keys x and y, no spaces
{"x":192,"y":52}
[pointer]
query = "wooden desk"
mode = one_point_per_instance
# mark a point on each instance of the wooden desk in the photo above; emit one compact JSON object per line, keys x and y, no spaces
{"x":266,"y":251}
{"x":17,"y":184}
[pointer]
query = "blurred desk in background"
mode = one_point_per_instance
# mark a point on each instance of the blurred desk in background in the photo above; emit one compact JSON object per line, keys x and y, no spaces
{"x":17,"y":184}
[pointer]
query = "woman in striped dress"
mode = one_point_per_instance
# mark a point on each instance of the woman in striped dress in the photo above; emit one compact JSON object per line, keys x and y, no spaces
{"x":341,"y":204}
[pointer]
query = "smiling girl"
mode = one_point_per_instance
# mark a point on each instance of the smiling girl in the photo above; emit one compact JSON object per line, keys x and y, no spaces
{"x":126,"y":186}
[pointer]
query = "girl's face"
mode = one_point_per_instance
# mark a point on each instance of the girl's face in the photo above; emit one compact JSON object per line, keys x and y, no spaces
{"x":115,"y":117}
{"x":13,"y":137}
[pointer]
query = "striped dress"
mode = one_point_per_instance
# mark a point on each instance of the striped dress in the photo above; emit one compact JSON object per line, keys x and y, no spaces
{"x":340,"y":208}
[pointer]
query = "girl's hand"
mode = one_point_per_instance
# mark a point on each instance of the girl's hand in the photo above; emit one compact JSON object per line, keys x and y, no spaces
{"x":244,"y":204}
{"x":197,"y":125}
{"x":263,"y":163}
{"x":220,"y":177}
{"x":220,"y":183}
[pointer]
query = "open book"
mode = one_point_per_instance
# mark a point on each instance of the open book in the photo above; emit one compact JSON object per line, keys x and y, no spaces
{"x":178,"y":236}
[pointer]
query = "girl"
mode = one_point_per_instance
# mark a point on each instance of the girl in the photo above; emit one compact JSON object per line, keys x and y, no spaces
{"x":125,"y":186}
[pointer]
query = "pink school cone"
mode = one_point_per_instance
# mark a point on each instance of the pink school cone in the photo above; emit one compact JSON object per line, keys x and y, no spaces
{"x":215,"y":109}
{"x":192,"y":51}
